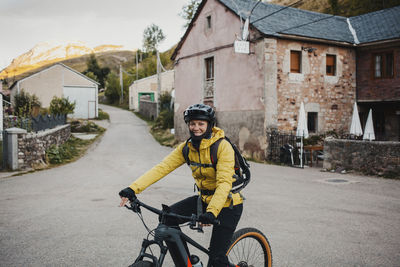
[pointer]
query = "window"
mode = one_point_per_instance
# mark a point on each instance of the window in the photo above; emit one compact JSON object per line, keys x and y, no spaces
{"x":295,"y":61}
{"x":209,"y":77}
{"x":331,"y":65}
{"x":312,"y":122}
{"x":208,"y":18}
{"x":210,"y":68}
{"x":383,"y":65}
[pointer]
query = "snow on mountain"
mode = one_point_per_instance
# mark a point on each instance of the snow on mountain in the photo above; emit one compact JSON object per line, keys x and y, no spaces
{"x":49,"y":52}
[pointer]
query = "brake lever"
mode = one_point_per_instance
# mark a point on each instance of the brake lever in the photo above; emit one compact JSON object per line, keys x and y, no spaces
{"x":134,"y":207}
{"x":194,"y":224}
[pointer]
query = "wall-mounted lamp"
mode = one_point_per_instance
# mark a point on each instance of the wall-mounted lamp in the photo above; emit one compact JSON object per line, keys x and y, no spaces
{"x":308,"y":49}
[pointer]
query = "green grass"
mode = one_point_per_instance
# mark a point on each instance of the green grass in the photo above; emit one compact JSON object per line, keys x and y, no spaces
{"x":73,"y":148}
{"x":162,"y":136}
{"x":103,"y":115}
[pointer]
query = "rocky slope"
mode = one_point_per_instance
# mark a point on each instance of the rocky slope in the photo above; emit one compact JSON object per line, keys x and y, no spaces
{"x":46,"y":53}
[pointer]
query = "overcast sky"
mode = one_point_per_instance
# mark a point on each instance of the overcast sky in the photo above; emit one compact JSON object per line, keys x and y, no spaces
{"x":25,"y":23}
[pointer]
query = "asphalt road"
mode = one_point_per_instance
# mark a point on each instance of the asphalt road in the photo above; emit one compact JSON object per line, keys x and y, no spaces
{"x":68,"y":216}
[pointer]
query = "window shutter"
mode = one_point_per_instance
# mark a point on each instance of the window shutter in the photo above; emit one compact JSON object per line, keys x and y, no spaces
{"x":295,"y":61}
{"x":330,"y":65}
{"x":330,"y":60}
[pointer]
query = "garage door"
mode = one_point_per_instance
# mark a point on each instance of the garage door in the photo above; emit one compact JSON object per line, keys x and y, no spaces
{"x":85,"y":101}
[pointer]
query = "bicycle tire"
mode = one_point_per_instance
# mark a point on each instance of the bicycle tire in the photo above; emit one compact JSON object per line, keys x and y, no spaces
{"x":250,"y":248}
{"x":142,"y":264}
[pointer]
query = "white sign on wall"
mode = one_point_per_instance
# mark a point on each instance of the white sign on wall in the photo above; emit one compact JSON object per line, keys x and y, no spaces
{"x":242,"y":47}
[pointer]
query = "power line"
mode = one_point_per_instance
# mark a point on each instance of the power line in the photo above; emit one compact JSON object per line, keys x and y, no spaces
{"x":276,"y":11}
{"x":305,"y":24}
{"x":254,"y":7}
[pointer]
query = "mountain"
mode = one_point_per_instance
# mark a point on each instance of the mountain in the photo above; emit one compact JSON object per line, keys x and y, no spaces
{"x":47,"y":53}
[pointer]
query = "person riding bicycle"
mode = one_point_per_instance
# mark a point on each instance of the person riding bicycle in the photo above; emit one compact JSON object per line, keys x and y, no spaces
{"x":214,"y":184}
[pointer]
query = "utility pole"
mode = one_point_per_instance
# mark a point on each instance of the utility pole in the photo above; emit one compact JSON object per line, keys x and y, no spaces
{"x":158,"y":83}
{"x":121,"y":82}
{"x":137,"y":71}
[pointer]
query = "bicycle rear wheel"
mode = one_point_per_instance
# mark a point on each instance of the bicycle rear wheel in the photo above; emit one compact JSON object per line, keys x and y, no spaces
{"x":142,"y":264}
{"x":250,"y":248}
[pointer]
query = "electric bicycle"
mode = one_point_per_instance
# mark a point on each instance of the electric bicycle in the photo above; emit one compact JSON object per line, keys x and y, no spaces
{"x":249,"y":246}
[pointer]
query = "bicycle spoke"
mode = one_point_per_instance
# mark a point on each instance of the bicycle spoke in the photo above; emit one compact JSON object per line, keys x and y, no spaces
{"x":248,"y":250}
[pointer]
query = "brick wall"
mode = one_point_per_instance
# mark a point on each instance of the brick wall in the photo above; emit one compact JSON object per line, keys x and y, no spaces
{"x":369,"y":88}
{"x":374,"y":158}
{"x":32,"y":146}
{"x":331,"y":96}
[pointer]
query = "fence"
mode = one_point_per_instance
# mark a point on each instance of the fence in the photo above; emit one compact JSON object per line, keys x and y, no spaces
{"x":283,"y":147}
{"x":40,"y":122}
{"x":35,"y":124}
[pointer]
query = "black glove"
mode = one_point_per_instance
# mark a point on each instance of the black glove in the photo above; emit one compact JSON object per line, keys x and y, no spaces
{"x":128,"y":193}
{"x":207,"y":218}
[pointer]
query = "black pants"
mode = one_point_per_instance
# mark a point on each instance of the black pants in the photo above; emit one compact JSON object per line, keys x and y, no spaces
{"x":221,"y":234}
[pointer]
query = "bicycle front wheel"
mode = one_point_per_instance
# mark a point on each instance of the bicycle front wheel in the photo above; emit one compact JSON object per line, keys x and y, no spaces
{"x":250,"y":248}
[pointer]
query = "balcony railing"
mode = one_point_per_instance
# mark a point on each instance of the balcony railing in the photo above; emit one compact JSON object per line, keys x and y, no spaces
{"x":209,"y":88}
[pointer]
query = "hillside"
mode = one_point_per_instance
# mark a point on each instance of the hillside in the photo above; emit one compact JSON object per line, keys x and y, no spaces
{"x":46,"y":53}
{"x":111,"y":59}
{"x":346,"y":8}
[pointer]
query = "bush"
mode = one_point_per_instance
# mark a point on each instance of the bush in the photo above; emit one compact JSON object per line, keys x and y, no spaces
{"x":61,"y":106}
{"x":57,"y":155}
{"x":66,"y":152}
{"x":165,"y":119}
{"x":78,"y":126}
{"x":24,"y":103}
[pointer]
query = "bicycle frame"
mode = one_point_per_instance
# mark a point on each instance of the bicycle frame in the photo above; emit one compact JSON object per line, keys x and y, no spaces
{"x":173,"y":239}
{"x":170,"y":236}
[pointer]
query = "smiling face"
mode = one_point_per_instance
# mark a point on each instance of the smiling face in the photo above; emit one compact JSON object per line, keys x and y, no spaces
{"x":198,"y":127}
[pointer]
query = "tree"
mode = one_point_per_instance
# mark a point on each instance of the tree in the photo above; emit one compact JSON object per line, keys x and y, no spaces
{"x":189,"y":10}
{"x":334,"y":6}
{"x":152,"y":36}
{"x":91,"y":75}
{"x":99,"y":73}
{"x":113,"y":88}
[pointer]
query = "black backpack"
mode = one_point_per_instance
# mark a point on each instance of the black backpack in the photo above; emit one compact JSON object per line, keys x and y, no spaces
{"x":242,"y":167}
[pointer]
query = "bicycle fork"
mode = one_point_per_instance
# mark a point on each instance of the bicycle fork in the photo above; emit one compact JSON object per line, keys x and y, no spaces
{"x":158,"y":262}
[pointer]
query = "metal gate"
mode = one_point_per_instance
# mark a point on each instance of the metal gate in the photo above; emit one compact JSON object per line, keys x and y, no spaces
{"x":283,"y":147}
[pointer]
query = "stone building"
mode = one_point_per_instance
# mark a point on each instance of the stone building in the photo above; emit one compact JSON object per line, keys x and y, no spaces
{"x":294,"y":56}
{"x":378,"y":71}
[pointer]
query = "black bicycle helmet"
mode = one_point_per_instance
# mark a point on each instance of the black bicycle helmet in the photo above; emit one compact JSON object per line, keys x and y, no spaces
{"x":199,"y":112}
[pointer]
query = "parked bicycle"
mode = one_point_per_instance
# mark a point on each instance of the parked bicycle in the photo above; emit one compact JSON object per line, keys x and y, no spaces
{"x":249,"y":246}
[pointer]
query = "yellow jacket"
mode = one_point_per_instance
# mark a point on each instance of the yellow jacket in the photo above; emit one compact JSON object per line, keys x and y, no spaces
{"x":206,"y":178}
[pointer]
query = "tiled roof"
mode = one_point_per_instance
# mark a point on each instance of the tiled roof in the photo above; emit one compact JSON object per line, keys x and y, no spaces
{"x":377,"y":26}
{"x":275,"y":20}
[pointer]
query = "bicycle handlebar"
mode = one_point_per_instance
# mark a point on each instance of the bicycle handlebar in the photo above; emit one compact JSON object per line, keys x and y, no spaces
{"x":136,"y":204}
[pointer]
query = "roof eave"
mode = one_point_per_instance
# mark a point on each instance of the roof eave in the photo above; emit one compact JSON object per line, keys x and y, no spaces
{"x":312,"y":39}
{"x":379,"y":42}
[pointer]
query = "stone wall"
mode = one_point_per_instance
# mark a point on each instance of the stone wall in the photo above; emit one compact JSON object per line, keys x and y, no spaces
{"x":148,"y":109}
{"x":332,"y":97}
{"x":32,"y":146}
{"x":368,"y":157}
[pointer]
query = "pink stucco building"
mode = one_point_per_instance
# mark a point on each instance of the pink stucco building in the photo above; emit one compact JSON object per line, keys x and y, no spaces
{"x":295,"y":56}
